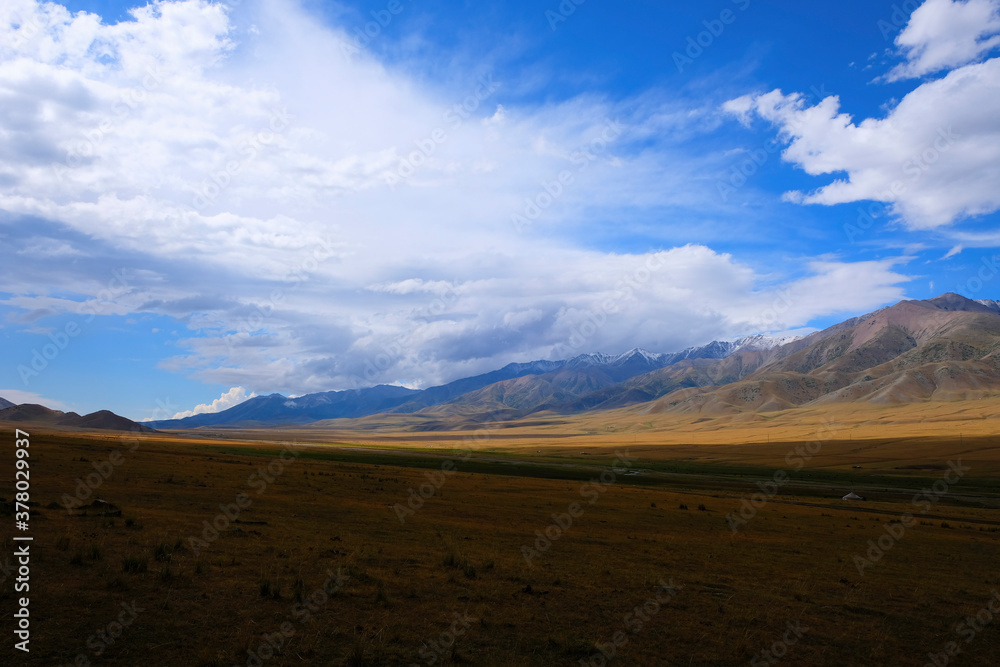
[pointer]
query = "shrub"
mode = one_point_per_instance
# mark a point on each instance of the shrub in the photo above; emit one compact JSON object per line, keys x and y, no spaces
{"x":297,"y":593}
{"x":134,"y":564}
{"x":162,"y":553}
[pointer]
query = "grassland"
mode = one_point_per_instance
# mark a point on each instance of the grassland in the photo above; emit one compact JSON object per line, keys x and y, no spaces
{"x":313,"y":565}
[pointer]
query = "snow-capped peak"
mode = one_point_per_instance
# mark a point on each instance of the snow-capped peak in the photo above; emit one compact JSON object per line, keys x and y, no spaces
{"x":990,"y":303}
{"x":636,"y":354}
{"x":761,"y":342}
{"x":651,"y":358}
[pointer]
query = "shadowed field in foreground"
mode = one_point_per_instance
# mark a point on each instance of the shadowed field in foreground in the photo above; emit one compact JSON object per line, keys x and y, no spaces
{"x":223,"y":553}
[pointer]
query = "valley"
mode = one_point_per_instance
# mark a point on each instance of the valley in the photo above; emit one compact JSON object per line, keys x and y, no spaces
{"x":292,"y":546}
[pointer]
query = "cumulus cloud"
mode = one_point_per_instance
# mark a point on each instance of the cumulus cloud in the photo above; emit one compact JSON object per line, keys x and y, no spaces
{"x":234,"y":396}
{"x":944,"y":34}
{"x":933,"y":159}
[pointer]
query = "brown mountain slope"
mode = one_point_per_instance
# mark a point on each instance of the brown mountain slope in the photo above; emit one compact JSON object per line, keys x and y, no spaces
{"x":569,"y":391}
{"x":527,"y":393}
{"x":683,"y":375}
{"x":941,"y":349}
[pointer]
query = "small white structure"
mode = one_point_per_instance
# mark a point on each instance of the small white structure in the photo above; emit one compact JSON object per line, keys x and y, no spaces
{"x":853,"y":496}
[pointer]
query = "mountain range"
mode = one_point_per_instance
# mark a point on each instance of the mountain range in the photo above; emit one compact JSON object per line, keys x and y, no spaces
{"x":941,"y":349}
{"x":39,"y":415}
{"x":541,"y":382}
{"x":944,"y":348}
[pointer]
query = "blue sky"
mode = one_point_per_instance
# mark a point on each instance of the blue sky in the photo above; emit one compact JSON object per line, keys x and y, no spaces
{"x":222,"y":199}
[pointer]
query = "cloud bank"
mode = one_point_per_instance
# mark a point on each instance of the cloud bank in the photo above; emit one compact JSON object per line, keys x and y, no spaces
{"x":319,"y":220}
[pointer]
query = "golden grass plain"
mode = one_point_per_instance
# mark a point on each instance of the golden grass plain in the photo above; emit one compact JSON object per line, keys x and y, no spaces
{"x":331,"y":510}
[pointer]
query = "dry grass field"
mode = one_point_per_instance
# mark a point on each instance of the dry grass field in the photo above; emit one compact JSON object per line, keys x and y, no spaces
{"x":309,"y":563}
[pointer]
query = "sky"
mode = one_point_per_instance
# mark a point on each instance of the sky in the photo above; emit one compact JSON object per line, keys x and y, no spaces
{"x":203,"y":201}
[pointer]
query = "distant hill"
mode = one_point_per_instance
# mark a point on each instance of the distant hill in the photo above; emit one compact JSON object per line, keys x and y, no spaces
{"x":563,"y":380}
{"x":4,"y":403}
{"x":30,"y":413}
{"x":276,"y":409}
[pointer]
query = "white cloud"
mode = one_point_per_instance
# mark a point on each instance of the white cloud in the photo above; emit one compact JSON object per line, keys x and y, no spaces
{"x":19,"y":397}
{"x":742,"y":107}
{"x":413,"y":285}
{"x":512,"y":309}
{"x":44,"y":248}
{"x":208,"y":160}
{"x":934,"y":159}
{"x":944,"y":34}
{"x":234,"y":396}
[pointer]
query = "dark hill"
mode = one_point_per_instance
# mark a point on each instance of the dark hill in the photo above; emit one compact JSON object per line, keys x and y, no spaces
{"x":33,"y":414}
